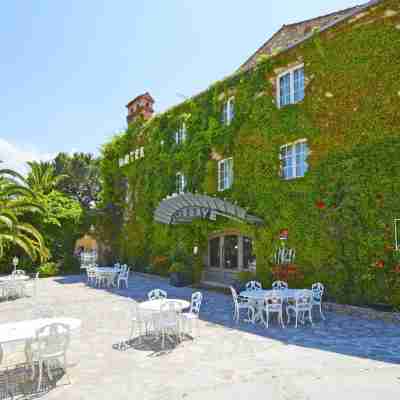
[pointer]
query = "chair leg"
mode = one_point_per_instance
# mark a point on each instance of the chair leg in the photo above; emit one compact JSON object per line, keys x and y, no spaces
{"x":310,"y":317}
{"x":297,"y":317}
{"x":320,"y":311}
{"x":40,"y":375}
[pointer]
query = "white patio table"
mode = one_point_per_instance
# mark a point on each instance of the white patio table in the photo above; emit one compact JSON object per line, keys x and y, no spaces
{"x":109,"y":273}
{"x":13,"y":333}
{"x":13,"y":278}
{"x":154,"y":305}
{"x":259,"y":296}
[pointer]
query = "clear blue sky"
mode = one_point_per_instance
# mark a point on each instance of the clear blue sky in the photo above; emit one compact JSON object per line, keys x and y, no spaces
{"x":67,"y":68}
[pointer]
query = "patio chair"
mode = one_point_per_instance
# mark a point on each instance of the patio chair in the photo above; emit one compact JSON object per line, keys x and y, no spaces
{"x":156,"y":294}
{"x":32,"y":284}
{"x":273,"y":304}
{"x":253,"y":285}
{"x":188,"y":318}
{"x":279,"y":285}
{"x":318,"y":291}
{"x":14,"y":289}
{"x":123,"y":277}
{"x":239,"y":303}
{"x":50,"y":344}
{"x":138,"y":320}
{"x":169,"y":324}
{"x":91,"y":275}
{"x":302,"y":304}
{"x":18,"y":272}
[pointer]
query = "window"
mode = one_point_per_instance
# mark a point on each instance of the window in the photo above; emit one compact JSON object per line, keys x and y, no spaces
{"x":294,"y":159}
{"x":228,"y":111}
{"x":180,"y":183}
{"x":248,"y":256}
{"x":180,"y":134}
{"x":290,"y":87}
{"x":225,"y":174}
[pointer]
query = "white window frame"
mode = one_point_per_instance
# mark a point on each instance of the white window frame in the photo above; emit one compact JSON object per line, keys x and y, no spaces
{"x":180,"y":183}
{"x":289,"y":71}
{"x":180,"y":134}
{"x":228,"y":111}
{"x":227,"y":181}
{"x":397,"y":234}
{"x":293,"y":156}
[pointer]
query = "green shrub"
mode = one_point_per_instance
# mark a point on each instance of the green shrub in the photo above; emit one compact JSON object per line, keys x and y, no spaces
{"x":48,"y":269}
{"x":177,"y":267}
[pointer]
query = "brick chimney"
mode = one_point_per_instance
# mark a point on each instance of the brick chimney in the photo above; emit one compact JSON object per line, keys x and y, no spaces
{"x":140,"y":106}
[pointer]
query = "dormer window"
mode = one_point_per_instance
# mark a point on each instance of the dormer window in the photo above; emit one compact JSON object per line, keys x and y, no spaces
{"x":180,"y":183}
{"x":290,"y":86}
{"x":228,"y":111}
{"x":180,"y":134}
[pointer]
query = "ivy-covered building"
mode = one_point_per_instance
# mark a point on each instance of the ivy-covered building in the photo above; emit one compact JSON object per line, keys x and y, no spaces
{"x":300,"y":147}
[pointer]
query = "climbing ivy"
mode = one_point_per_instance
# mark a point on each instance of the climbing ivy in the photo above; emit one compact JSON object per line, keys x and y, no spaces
{"x":339,"y":216}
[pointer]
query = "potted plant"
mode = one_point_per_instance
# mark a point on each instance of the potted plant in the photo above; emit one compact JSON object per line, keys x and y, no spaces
{"x":178,"y":274}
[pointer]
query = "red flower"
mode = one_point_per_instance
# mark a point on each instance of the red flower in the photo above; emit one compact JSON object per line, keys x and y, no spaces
{"x":320,"y":204}
{"x":380,"y":264}
{"x":397,"y":268}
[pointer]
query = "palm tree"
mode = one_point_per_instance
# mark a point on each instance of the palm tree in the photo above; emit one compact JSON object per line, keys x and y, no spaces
{"x":16,"y":201}
{"x":42,"y":177}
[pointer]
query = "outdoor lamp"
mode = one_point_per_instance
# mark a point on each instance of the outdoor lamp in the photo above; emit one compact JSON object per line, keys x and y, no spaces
{"x":195,"y":250}
{"x":15,"y":262}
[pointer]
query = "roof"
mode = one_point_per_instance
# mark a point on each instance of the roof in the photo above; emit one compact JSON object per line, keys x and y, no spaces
{"x":141,"y":96}
{"x":291,"y":35}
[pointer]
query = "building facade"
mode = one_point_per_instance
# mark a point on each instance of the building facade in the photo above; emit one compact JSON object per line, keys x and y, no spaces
{"x":271,"y":140}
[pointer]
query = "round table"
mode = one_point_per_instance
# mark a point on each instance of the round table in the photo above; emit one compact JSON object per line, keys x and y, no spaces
{"x":13,"y":278}
{"x":261,"y":294}
{"x":154,"y":305}
{"x":258,"y":296}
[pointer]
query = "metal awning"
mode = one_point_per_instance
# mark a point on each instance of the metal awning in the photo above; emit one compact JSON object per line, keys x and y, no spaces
{"x":184,"y":208}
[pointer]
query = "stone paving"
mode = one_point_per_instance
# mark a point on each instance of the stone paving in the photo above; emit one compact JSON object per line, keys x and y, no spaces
{"x":342,"y":355}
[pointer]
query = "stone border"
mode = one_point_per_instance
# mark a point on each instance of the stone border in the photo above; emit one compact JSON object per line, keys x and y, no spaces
{"x":363,"y":312}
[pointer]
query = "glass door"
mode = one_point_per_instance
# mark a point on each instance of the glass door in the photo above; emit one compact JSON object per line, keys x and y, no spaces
{"x":230,"y":252}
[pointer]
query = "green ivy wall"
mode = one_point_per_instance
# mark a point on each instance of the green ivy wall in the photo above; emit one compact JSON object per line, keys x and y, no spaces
{"x":339,"y":216}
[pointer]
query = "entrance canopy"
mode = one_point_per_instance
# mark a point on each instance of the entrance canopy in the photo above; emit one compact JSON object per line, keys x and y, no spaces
{"x":184,"y":208}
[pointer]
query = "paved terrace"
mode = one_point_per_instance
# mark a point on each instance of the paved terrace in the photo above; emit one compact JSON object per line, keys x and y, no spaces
{"x":342,"y":356}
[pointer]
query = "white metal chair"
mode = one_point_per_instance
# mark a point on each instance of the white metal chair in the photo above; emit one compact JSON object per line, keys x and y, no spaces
{"x":91,"y":275}
{"x":13,"y":289}
{"x":169,"y":322}
{"x":302,"y":304}
{"x":123,"y":277}
{"x":33,"y":284}
{"x":51,"y":344}
{"x":188,"y":318}
{"x":241,"y":304}
{"x":318,"y":292}
{"x":156,"y":294}
{"x":253,"y":285}
{"x":273,"y":304}
{"x":279,"y":285}
{"x":284,"y":256}
{"x":138,"y":320}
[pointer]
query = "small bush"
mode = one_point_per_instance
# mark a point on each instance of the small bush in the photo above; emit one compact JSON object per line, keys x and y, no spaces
{"x":48,"y":269}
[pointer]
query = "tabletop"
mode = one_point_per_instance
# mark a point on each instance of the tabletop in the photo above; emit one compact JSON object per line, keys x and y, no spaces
{"x":260,"y":294}
{"x":26,"y":330}
{"x":154,"y":305}
{"x":106,"y":270}
{"x":13,"y":278}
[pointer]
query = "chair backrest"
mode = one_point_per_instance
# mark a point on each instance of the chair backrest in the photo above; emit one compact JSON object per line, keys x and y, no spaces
{"x":274,"y":300}
{"x":157,"y":294}
{"x":195,"y":305}
{"x":279,"y":285}
{"x":169,"y":313}
{"x":303,"y":299}
{"x":234,"y":295}
{"x":284,"y":255}
{"x":317,"y":290}
{"x":91,"y":272}
{"x":52,"y":340}
{"x":18,"y":272}
{"x":253,"y":285}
